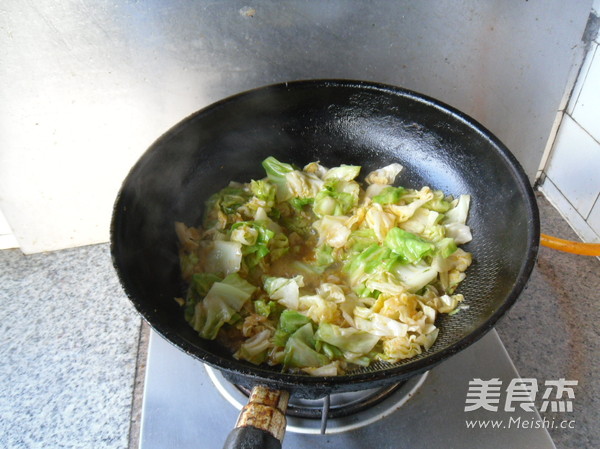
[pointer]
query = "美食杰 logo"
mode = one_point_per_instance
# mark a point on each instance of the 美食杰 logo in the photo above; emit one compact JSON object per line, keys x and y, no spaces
{"x":520,"y":394}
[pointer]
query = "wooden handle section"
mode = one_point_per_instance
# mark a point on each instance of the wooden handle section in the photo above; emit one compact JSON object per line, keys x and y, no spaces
{"x":262,"y":422}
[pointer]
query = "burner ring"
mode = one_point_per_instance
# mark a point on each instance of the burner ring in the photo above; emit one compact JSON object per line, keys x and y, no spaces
{"x":346,"y":405}
{"x":379,"y":410}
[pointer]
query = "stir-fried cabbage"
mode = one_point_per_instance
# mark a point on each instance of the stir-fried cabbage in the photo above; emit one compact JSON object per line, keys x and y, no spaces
{"x":284,"y":290}
{"x":220,"y":305}
{"x":384,"y":175}
{"x":307,"y":269}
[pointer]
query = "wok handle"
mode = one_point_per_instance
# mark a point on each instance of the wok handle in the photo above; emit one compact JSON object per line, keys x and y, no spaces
{"x":261,"y":424}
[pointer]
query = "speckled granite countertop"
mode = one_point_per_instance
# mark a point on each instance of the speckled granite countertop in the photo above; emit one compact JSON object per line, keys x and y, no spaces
{"x":68,"y":346}
{"x":552,"y":331}
{"x":73,"y":350}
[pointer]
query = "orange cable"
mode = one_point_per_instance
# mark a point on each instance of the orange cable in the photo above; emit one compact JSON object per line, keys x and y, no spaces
{"x":569,"y":246}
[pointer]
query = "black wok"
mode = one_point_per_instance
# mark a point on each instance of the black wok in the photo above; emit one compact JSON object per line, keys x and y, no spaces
{"x":335,"y":122}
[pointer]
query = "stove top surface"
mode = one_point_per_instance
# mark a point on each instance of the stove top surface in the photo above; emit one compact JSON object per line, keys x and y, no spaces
{"x":182,"y":408}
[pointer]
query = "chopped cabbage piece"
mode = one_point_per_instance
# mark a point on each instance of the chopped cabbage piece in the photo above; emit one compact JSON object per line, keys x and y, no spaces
{"x":409,"y":247}
{"x":257,"y":236}
{"x":389,"y":195}
{"x":331,"y":292}
{"x":336,"y":198}
{"x":331,"y":369}
{"x":222,"y":301}
{"x":299,"y":203}
{"x":376,"y":324}
{"x":332,"y":203}
{"x":375,"y":189}
{"x":228,"y":200}
{"x":384,"y":175}
{"x":264,"y":308}
{"x":399,"y":348}
{"x":264,"y":191}
{"x":405,"y":212}
{"x":202,"y":282}
{"x":299,"y":349}
{"x":324,"y":256}
{"x":458,"y":214}
{"x":421,"y":221}
{"x":455,"y":221}
{"x":385,"y":282}
{"x":284,"y":290}
{"x":415,"y":277}
{"x":446,"y":247}
{"x":316,"y":168}
{"x":254,"y":350}
{"x":276,"y":172}
{"x":379,"y":220}
{"x":332,"y":231}
{"x":222,"y":257}
{"x":290,"y":321}
{"x":347,"y":338}
{"x":459,"y":232}
{"x":244,"y":234}
{"x":361,"y":239}
{"x":303,"y":185}
{"x":343,"y":172}
{"x":439,"y":203}
{"x":200,"y":285}
{"x":318,"y":309}
{"x":367,"y":262}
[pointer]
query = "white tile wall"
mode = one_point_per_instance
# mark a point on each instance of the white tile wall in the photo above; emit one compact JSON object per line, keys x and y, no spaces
{"x":575,"y":166}
{"x":572,"y":180}
{"x":587,"y":107}
{"x":582,"y":76}
{"x":577,"y":222}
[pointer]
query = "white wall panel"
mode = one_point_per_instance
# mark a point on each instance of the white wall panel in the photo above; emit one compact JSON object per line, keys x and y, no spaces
{"x":575,"y":166}
{"x":85,"y":87}
{"x":587,"y":107}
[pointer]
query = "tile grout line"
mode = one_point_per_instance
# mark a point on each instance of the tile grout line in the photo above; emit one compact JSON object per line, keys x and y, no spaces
{"x":592,"y":208}
{"x":548,"y":178}
{"x":578,"y":85}
{"x":564,"y":214}
{"x":582,"y":128}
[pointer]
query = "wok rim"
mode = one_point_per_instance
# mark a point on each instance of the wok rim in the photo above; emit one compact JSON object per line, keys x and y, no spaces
{"x":260,"y":375}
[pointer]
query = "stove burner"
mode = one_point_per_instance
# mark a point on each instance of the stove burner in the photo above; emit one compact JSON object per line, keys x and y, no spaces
{"x":347,"y":411}
{"x":340,"y":404}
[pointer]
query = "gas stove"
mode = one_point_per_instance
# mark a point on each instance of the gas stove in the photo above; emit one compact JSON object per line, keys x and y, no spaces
{"x":189,"y":405}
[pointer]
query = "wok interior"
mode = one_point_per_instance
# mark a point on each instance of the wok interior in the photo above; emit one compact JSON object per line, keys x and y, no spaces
{"x":334,"y":123}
